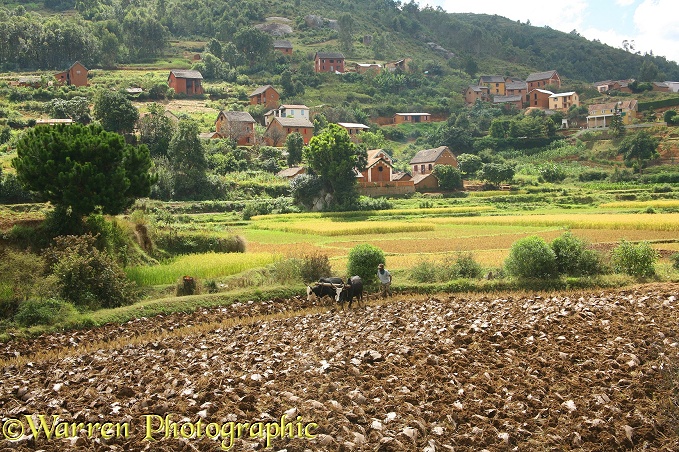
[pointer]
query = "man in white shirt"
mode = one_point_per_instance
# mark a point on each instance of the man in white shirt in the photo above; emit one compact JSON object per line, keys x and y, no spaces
{"x":385,"y":280}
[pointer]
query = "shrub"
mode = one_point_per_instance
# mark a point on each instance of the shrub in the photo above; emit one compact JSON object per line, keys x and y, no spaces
{"x":285,"y":271}
{"x":85,"y":276}
{"x":634,"y":260}
{"x":187,"y":285}
{"x":314,"y":267}
{"x":531,"y":257}
{"x":363,"y":261}
{"x":551,"y":172}
{"x":192,"y":243}
{"x":464,"y":266}
{"x":424,"y":272}
{"x":675,"y":260}
{"x":573,"y":258}
{"x":592,"y":175}
{"x":44,"y":312}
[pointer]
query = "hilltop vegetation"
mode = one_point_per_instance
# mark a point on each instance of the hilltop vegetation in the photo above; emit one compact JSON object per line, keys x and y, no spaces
{"x":104,"y":33}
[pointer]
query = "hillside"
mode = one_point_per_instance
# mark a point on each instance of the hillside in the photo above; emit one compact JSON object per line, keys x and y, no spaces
{"x":116,"y":32}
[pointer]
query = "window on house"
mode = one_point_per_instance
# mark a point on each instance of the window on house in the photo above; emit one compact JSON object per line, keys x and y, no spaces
{"x":422,"y":168}
{"x":380,"y":169}
{"x":430,"y":167}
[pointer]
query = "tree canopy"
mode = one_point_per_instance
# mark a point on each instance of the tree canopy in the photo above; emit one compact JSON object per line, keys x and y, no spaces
{"x":638,"y":149}
{"x":334,"y":157}
{"x":115,"y":111}
{"x":84,"y":168}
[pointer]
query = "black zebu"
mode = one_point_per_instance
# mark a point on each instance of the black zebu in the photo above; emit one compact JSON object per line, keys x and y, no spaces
{"x":336,"y":289}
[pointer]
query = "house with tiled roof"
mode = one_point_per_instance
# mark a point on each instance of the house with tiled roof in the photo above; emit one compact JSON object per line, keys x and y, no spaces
{"x":285,"y":47}
{"x":377,"y":179}
{"x":542,"y":79}
{"x":186,"y":82}
{"x":280,"y":127}
{"x":516,"y":88}
{"x":424,"y":161}
{"x":265,"y":95}
{"x":600,"y":115}
{"x":292,"y":172}
{"x":329,"y":62}
{"x":237,"y":125}
{"x":287,"y":111}
{"x":475,"y":92}
{"x":495,"y":84}
{"x":514,"y":101}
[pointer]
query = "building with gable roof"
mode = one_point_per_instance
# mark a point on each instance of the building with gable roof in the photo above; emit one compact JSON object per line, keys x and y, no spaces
{"x":539,"y":98}
{"x":237,"y":125}
{"x":75,"y":75}
{"x":495,"y":84}
{"x":424,"y":161}
{"x":329,"y":62}
{"x":475,"y":92}
{"x":377,"y":179}
{"x":187,"y":82}
{"x":265,"y":95}
{"x":600,"y":115}
{"x":564,"y":101}
{"x":353,"y":129}
{"x":285,"y":47}
{"x":542,"y":79}
{"x":280,"y":127}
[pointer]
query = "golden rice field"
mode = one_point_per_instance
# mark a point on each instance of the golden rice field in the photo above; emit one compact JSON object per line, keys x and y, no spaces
{"x":406,"y":240}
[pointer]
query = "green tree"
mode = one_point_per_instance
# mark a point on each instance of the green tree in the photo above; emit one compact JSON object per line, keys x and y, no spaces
{"x":469,"y":164}
{"x":115,"y":111}
{"x":373,"y":140}
{"x":670,"y":117}
{"x":617,"y":126}
{"x":188,"y":162}
{"x":254,"y":44}
{"x":294,"y":144}
{"x":335,"y":158}
{"x":156,"y":130}
{"x":346,"y":31}
{"x":83,"y":168}
{"x":638,"y":149}
{"x":76,"y":108}
{"x":471,"y":67}
{"x":496,"y":173}
{"x":648,"y":71}
{"x":448,"y":176}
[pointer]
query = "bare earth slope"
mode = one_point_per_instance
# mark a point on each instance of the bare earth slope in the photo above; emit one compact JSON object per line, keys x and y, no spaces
{"x":577,"y":371}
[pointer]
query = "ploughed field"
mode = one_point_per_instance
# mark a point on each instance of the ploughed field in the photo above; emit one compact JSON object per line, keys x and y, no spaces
{"x":595,"y":370}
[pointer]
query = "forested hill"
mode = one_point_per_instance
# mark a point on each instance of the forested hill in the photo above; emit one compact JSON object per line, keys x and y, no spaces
{"x":103,"y":33}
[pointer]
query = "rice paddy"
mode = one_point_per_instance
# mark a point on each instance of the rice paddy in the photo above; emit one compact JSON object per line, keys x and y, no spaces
{"x":203,"y":266}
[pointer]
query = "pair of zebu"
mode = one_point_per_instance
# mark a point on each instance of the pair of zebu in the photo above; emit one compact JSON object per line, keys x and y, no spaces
{"x":336,"y":289}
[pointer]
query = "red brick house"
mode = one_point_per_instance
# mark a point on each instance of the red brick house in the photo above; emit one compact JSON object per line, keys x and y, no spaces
{"x":76,"y":75}
{"x":265,"y":95}
{"x":400,"y":118}
{"x":279,"y":129}
{"x":539,"y":98}
{"x":329,"y":62}
{"x":542,"y":79}
{"x":285,"y":47}
{"x":237,"y":125}
{"x":516,"y":88}
{"x":474,"y":93}
{"x":186,"y":82}
{"x":378,"y":178}
{"x":424,"y":161}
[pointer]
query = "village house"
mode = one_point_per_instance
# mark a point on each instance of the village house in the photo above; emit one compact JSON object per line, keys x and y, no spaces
{"x":495,"y":83}
{"x":673,"y":86}
{"x":285,"y":47}
{"x":76,"y":75}
{"x":564,"y":101}
{"x":329,"y":62}
{"x":287,"y":111}
{"x":210,"y":135}
{"x":600,"y":115}
{"x":280,"y":127}
{"x":237,"y":125}
{"x":425,"y":182}
{"x":516,"y":88}
{"x":542,"y":79}
{"x":186,"y":82}
{"x":661,"y":87}
{"x":539,"y":98}
{"x":362,"y":68}
{"x":474,"y":93}
{"x":605,"y":86}
{"x":425,"y":160}
{"x":265,"y":95}
{"x":292,"y":172}
{"x":400,"y":118}
{"x":509,"y":102}
{"x":377,"y":179}
{"x":29,"y":82}
{"x":400,"y":65}
{"x":353,"y":129}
